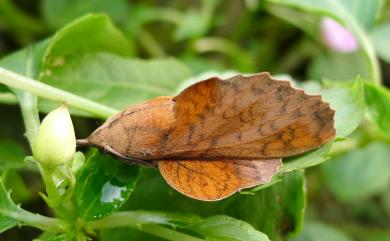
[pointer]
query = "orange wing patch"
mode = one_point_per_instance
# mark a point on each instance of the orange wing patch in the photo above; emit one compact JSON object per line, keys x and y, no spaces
{"x":217,"y":179}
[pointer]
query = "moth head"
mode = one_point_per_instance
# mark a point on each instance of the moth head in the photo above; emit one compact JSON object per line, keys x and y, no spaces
{"x":136,"y":132}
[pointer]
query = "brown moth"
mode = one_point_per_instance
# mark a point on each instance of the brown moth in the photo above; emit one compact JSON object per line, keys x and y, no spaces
{"x":219,"y":136}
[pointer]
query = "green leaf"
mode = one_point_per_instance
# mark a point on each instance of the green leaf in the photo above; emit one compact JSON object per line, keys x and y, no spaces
{"x":380,"y":37}
{"x":306,"y":160}
{"x":11,"y":155}
{"x":94,"y":33}
{"x":379,"y":236}
{"x":275,"y":210}
{"x":225,"y":228}
{"x":218,"y":227}
{"x":103,"y":186}
{"x":12,"y":215}
{"x":18,"y":61}
{"x":116,"y":81}
{"x":60,"y":12}
{"x":6,"y":207}
{"x":339,"y":66}
{"x":315,"y":231}
{"x":378,"y":106}
{"x":360,"y":173}
{"x":348,"y":101}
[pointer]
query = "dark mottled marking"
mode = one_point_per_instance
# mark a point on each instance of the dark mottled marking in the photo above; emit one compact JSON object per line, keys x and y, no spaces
{"x":283,"y":108}
{"x":213,"y":142}
{"x":297,"y":114}
{"x":256,"y":90}
{"x":191,"y":130}
{"x":239,"y":136}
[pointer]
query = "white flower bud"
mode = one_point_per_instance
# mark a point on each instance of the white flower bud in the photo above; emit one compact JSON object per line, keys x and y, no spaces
{"x":55,"y":142}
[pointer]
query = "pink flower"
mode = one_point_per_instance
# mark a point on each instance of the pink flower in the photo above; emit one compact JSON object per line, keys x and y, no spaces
{"x":337,"y":37}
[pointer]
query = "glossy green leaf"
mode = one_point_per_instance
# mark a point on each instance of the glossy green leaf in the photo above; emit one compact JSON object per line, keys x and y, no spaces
{"x":378,"y":106}
{"x":315,"y":231}
{"x":117,"y":81}
{"x":6,"y":206}
{"x":11,"y":155}
{"x":60,"y":12}
{"x":380,"y":37}
{"x":103,"y":186}
{"x":360,"y":173}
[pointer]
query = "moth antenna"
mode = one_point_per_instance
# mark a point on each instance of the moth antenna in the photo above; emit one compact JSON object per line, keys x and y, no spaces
{"x":82,"y":142}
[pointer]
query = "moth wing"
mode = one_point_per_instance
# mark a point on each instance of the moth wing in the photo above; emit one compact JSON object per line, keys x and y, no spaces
{"x":211,"y":180}
{"x":253,"y":117}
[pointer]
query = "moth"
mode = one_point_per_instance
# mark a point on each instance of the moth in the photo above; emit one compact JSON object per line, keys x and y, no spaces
{"x":219,"y":136}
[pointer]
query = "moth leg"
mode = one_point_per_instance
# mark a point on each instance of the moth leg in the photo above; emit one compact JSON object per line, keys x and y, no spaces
{"x":212,"y":180}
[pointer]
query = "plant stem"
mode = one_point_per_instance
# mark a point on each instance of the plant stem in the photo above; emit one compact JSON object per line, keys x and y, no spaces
{"x":224,"y":46}
{"x":131,"y":218}
{"x":8,"y":98}
{"x":20,"y":82}
{"x":35,"y":220}
{"x":28,"y":105}
{"x":150,"y":44}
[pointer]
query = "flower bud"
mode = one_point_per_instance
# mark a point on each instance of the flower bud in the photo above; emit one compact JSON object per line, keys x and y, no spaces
{"x":55,"y":142}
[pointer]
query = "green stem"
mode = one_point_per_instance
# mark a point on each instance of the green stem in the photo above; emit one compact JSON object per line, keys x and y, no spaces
{"x":131,"y":218}
{"x":20,"y":82}
{"x":224,"y":46}
{"x":8,"y":98}
{"x":165,"y":14}
{"x":28,"y":105}
{"x":35,"y":220}
{"x":150,"y":44}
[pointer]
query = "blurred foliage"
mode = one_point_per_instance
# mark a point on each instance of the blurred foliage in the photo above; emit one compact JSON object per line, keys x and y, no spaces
{"x":121,"y":52}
